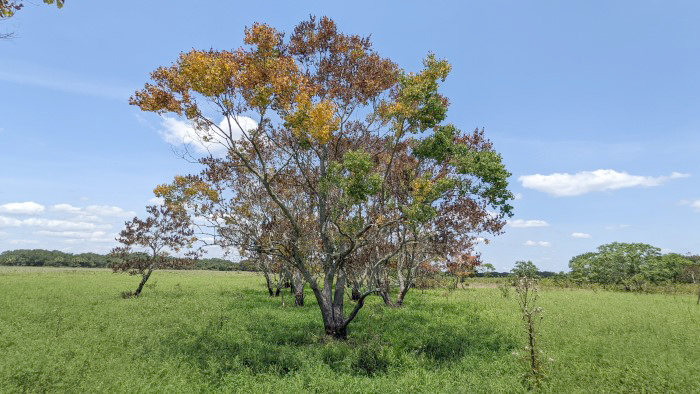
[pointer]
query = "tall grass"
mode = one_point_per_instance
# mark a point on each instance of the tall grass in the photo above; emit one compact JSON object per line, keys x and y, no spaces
{"x":65,"y":330}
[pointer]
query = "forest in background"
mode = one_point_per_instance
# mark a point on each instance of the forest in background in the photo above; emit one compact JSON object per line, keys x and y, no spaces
{"x":56,"y":258}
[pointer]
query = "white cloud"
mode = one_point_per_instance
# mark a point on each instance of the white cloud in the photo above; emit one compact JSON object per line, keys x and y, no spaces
{"x":156,"y":201}
{"x":72,"y":234}
{"x":58,"y":224}
{"x":82,"y":241}
{"x":51,"y":224}
{"x":9,"y":222}
{"x":65,"y":208}
{"x":693,"y":204}
{"x":581,"y":235}
{"x":106,"y":210}
{"x":22,"y":241}
{"x":26,"y":208}
{"x":519,"y":223}
{"x":93,"y":212}
{"x":518,"y":196}
{"x":564,"y":184}
{"x":537,"y":243}
{"x":177,"y":132}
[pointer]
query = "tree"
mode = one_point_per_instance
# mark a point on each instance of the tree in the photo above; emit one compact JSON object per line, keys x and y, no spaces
{"x":525,"y":269}
{"x":630,"y":265}
{"x":486,"y":269}
{"x":153,"y":243}
{"x":334,"y":124}
{"x":8,"y":8}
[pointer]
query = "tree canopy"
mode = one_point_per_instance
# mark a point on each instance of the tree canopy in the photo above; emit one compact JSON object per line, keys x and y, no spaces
{"x":624,"y":263}
{"x":349,"y":163}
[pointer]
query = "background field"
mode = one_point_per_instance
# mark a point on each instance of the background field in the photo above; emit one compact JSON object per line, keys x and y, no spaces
{"x":68,"y":330}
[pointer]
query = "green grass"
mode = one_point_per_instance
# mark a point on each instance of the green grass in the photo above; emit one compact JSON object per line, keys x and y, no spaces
{"x":68,"y":330}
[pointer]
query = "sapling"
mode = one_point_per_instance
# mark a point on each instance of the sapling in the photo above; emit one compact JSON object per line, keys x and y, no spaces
{"x":526,"y":290}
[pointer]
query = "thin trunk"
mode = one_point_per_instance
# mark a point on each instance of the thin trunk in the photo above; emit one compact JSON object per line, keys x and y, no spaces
{"x":402,"y":293}
{"x":144,"y":279}
{"x":268,"y":281}
{"x":355,"y":293}
{"x":298,"y":288}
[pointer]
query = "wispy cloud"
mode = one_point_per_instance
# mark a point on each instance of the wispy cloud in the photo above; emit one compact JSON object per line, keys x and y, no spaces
{"x":92,"y":212}
{"x":23,"y":242}
{"x":537,"y":243}
{"x":520,"y":223}
{"x":50,"y":224}
{"x":64,"y":82}
{"x":177,"y":132}
{"x":581,"y":235}
{"x":564,"y":184}
{"x":26,"y":208}
{"x":72,"y":234}
{"x":695,"y":204}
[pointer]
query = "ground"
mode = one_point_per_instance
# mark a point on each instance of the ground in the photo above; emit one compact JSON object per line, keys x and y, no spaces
{"x":69,"y":330}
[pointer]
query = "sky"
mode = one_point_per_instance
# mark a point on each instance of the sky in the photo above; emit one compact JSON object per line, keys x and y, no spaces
{"x":594,"y":106}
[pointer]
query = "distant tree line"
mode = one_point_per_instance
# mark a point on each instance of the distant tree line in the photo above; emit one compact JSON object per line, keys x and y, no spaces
{"x":55,"y":258}
{"x":634,"y":265}
{"x":618,"y":265}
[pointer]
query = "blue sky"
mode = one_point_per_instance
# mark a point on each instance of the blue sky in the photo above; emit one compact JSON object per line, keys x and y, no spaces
{"x":594,"y":106}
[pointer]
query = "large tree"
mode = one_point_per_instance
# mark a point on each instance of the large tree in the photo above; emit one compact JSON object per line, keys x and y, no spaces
{"x":349,"y":153}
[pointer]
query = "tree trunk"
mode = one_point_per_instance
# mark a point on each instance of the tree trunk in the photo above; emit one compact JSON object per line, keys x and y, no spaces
{"x":383,"y":286}
{"x":387,"y":299}
{"x":331,"y":300}
{"x":355,"y":294}
{"x":402,"y":293}
{"x":298,"y":288}
{"x":268,"y":281}
{"x":144,"y":278}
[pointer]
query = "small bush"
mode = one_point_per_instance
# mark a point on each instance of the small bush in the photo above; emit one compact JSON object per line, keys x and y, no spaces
{"x":370,"y":360}
{"x":336,"y":356}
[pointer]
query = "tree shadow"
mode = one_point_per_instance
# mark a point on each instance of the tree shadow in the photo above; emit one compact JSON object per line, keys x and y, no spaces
{"x":260,"y":337}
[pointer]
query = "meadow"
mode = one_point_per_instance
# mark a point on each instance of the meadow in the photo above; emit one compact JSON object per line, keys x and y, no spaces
{"x":69,"y":330}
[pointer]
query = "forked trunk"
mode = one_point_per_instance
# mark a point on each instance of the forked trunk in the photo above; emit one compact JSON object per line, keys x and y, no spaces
{"x":331,"y":300}
{"x":334,"y":322}
{"x":144,"y":279}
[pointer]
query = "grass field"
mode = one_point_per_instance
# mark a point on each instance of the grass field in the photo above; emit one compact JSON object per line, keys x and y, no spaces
{"x":68,"y":330}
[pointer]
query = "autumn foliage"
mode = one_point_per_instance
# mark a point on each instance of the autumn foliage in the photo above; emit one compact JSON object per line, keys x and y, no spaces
{"x":154,"y":243}
{"x":349,"y":177}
